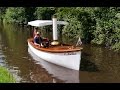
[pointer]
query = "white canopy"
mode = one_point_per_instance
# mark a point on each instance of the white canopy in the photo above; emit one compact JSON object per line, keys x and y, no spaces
{"x":39,"y":23}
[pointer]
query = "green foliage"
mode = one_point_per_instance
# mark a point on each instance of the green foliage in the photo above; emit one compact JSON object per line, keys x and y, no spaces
{"x":5,"y":76}
{"x":73,"y":29}
{"x":116,"y":46}
{"x":88,"y":24}
{"x":2,"y":12}
{"x":14,"y":15}
{"x":80,"y":21}
{"x":107,"y":27}
{"x":44,"y":13}
{"x":29,"y":13}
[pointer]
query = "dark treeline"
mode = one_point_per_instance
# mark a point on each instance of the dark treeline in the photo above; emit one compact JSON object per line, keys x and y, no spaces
{"x":96,"y":25}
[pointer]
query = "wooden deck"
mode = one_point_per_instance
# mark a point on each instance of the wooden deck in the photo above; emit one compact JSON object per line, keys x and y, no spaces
{"x":56,"y":49}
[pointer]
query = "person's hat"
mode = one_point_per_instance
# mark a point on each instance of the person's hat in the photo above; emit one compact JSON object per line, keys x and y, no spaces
{"x":38,"y":33}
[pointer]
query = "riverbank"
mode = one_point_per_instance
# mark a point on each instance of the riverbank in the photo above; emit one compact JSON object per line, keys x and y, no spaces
{"x":5,"y":76}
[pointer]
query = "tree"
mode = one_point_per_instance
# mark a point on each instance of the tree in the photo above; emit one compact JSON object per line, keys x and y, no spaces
{"x":2,"y":12}
{"x":44,"y":13}
{"x":14,"y":15}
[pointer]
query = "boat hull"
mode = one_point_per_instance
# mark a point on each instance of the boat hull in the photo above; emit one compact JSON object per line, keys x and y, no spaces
{"x":62,"y":73}
{"x":69,"y":60}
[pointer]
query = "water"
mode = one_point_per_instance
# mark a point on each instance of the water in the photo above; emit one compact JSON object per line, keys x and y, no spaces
{"x":98,"y":64}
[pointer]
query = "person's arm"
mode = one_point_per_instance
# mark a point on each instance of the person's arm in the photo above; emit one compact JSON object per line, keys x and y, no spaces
{"x":36,"y":44}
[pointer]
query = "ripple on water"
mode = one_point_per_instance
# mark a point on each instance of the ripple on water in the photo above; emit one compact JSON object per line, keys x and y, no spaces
{"x":15,"y":72}
{"x":2,"y":59}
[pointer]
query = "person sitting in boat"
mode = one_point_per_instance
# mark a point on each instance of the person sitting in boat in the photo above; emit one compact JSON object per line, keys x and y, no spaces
{"x":38,"y":39}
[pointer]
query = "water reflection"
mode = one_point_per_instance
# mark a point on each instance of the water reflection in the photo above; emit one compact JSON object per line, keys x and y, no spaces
{"x":67,"y":75}
{"x":14,"y":48}
{"x":88,"y":66}
{"x":2,"y":56}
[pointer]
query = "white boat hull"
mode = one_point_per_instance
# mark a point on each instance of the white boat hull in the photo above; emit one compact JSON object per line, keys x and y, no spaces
{"x":62,"y":73}
{"x":69,"y":60}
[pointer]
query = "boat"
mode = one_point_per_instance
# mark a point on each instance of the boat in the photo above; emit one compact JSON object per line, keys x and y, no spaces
{"x":57,"y":72}
{"x":65,"y":55}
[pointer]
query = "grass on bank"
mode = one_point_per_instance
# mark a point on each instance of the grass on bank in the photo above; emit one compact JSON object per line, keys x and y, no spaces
{"x":5,"y":76}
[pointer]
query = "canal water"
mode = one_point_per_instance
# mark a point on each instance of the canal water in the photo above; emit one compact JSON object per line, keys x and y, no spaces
{"x":98,"y":64}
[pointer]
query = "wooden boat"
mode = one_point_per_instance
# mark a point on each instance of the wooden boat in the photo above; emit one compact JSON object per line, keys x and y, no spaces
{"x":60,"y":54}
{"x":62,"y":73}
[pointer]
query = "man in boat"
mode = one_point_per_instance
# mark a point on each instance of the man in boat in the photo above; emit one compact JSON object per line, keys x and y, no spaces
{"x":42,"y":42}
{"x":38,"y":39}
